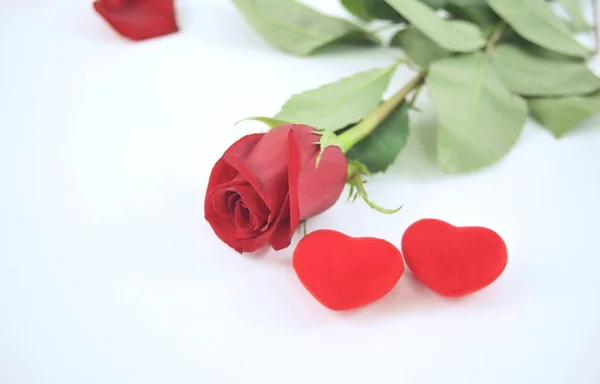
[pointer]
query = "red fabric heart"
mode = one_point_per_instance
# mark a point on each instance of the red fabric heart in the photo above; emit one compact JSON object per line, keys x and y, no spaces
{"x":453,"y":261}
{"x":344,"y":272}
{"x":139,"y":19}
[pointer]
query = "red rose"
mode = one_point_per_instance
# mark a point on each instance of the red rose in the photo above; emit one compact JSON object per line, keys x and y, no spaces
{"x":265,"y":184}
{"x":139,"y":19}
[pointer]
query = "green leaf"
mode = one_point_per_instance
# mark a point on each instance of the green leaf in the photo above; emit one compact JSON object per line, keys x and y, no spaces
{"x":465,"y":3}
{"x":529,"y":75}
{"x":479,"y":119}
{"x":297,"y":29}
{"x":380,"y":149}
{"x":509,"y":36}
{"x":535,"y":21}
{"x":335,"y":106}
{"x":464,"y":37}
{"x":435,"y":4}
{"x":368,"y":10}
{"x":475,"y":11}
{"x":578,"y":23}
{"x":418,"y":47}
{"x":544,"y":53}
{"x":560,"y":115}
{"x":269,"y":121}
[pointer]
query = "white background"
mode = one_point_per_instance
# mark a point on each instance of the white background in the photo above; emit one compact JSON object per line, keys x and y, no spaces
{"x":109,"y":273}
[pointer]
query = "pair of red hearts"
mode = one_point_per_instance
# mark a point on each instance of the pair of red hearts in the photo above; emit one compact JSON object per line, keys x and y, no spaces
{"x":139,"y":19}
{"x":344,"y":272}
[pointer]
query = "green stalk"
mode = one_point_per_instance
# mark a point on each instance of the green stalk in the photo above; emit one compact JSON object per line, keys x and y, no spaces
{"x":363,"y":129}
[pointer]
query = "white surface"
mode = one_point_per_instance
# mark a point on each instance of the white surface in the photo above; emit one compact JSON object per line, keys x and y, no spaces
{"x":109,"y":274}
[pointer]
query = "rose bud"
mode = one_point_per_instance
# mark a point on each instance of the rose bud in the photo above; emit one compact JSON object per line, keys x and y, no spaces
{"x":264,"y":185}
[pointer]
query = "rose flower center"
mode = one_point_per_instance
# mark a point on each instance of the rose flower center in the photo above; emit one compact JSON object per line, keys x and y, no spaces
{"x":243,"y":216}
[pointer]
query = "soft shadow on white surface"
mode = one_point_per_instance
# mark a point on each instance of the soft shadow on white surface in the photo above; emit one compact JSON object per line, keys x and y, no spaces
{"x":109,"y":273}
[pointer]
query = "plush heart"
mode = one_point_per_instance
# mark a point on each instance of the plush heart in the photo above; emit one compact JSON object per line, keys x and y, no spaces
{"x":344,"y":272}
{"x":453,"y":261}
{"x":139,"y":19}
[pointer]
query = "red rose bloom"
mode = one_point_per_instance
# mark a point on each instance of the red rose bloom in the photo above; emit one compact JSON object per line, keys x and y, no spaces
{"x":265,"y":184}
{"x":139,"y":19}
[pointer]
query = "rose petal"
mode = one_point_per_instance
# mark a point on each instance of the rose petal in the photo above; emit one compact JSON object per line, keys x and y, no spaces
{"x":226,"y":230}
{"x":266,"y":167}
{"x":225,"y":203}
{"x":319,"y":187}
{"x":282,"y":237}
{"x":226,"y":199}
{"x":241,"y":217}
{"x":220,"y":202}
{"x":114,"y":4}
{"x":255,"y":243}
{"x":232,"y":201}
{"x":312,"y":189}
{"x":223,"y":172}
{"x":223,"y":175}
{"x":253,"y":201}
{"x":139,"y":19}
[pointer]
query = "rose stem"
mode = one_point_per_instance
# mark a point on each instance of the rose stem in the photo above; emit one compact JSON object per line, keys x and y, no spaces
{"x":363,"y":129}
